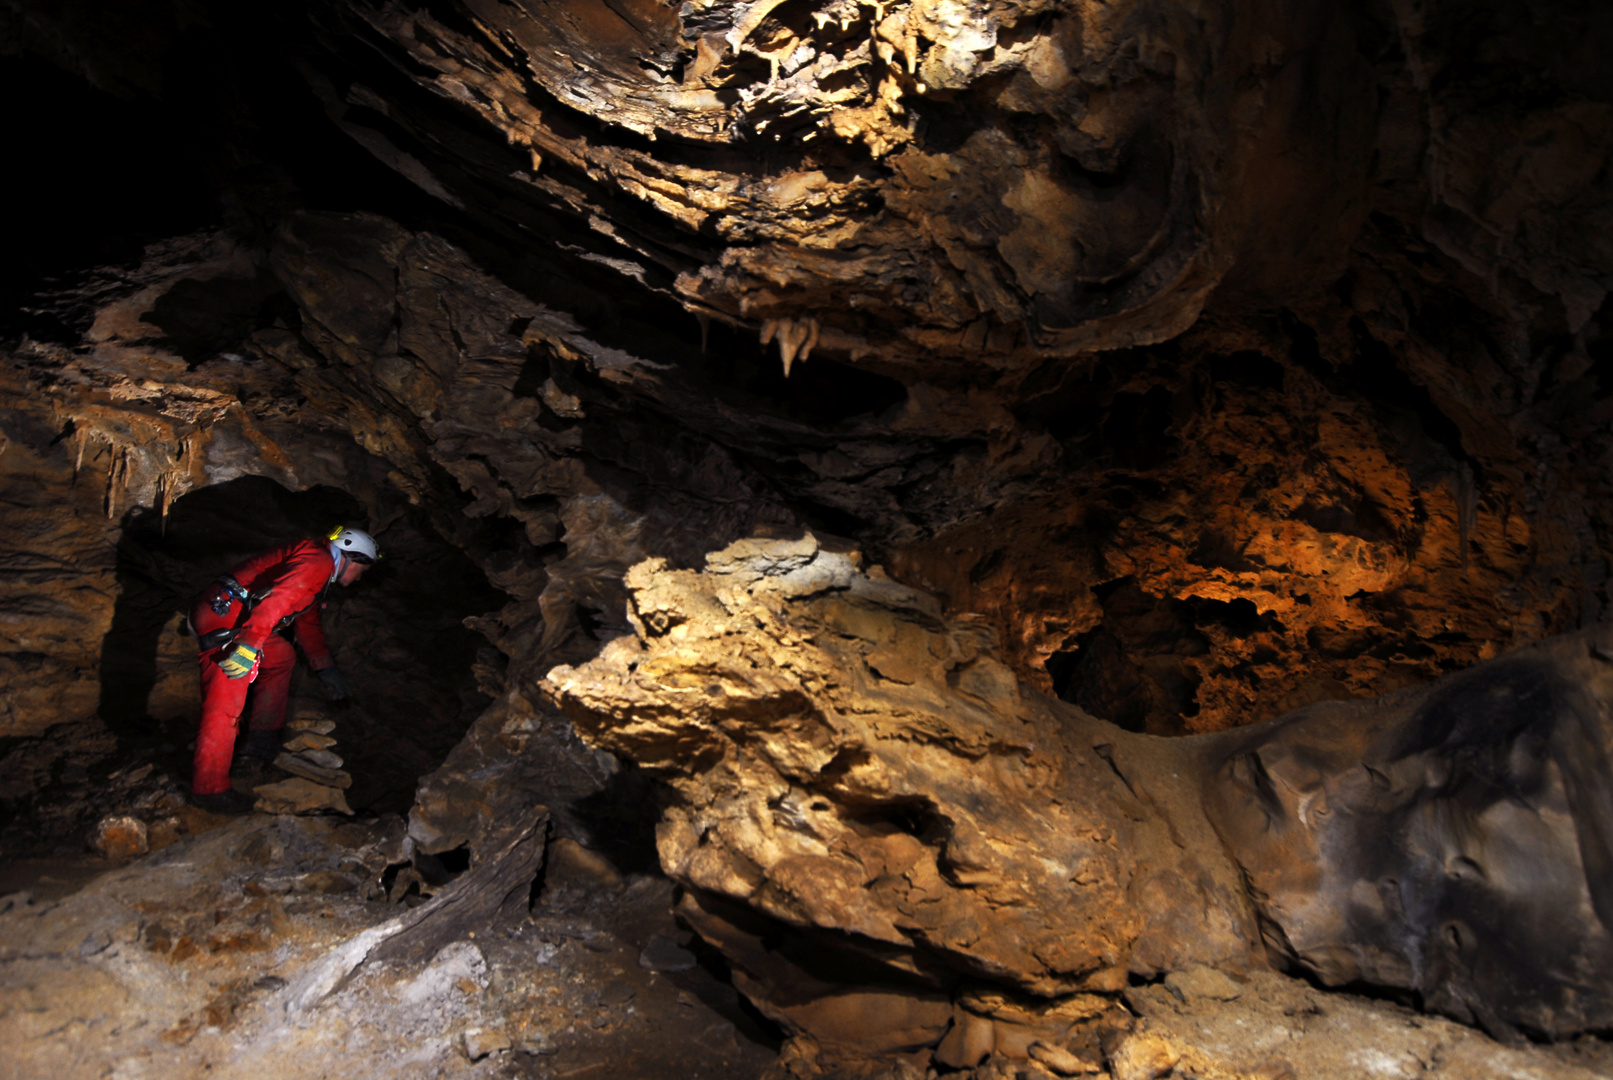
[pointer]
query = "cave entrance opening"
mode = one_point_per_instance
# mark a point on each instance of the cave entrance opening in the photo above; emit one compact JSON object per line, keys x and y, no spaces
{"x":398,"y":636}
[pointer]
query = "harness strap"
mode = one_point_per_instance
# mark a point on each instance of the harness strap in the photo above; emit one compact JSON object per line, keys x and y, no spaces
{"x":229,"y":591}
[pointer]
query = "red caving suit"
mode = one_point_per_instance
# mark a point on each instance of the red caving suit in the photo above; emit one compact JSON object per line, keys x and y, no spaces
{"x":295,"y":575}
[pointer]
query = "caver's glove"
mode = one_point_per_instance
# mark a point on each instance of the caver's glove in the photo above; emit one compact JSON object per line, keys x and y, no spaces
{"x":336,"y":683}
{"x":238,"y":660}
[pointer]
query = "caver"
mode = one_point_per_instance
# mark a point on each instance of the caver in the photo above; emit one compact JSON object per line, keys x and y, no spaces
{"x":239,"y":622}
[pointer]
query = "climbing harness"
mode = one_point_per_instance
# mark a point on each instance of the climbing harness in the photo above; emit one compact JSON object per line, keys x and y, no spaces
{"x":226,"y":592}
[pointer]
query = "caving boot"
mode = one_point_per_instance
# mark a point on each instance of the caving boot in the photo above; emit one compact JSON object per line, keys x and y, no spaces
{"x":225,"y":802}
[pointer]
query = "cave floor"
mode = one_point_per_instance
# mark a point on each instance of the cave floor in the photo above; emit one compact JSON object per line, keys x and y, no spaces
{"x":182,"y":963}
{"x":178,"y":964}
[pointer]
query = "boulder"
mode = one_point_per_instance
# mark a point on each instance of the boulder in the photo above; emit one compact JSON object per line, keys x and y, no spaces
{"x":847,"y":838}
{"x":119,"y":836}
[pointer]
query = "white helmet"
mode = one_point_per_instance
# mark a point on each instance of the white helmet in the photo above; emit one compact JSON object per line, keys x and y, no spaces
{"x":356,"y":544}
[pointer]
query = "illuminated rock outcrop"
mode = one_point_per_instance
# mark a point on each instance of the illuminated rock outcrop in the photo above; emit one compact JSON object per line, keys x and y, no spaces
{"x":866,"y":805}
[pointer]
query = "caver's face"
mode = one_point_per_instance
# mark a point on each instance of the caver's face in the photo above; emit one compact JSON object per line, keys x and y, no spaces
{"x":1456,"y":847}
{"x":351,"y":571}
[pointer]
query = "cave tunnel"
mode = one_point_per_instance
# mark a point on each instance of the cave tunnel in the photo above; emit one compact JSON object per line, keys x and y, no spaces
{"x":917,"y":540}
{"x":401,"y":635}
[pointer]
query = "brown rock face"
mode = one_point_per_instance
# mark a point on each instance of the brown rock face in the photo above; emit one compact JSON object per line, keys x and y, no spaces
{"x":852,"y":767}
{"x":300,"y":796}
{"x":861,"y":786}
{"x":121,"y":837}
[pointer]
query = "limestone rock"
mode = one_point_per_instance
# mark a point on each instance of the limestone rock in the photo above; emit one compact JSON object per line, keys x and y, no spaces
{"x":843,"y":836}
{"x":314,"y":755}
{"x":968,"y":1042}
{"x":478,"y":1043}
{"x":663,"y":954}
{"x":1358,"y":442}
{"x":300,"y":795}
{"x":120,"y":837}
{"x":314,"y":726}
{"x":1144,"y":1056}
{"x":1060,"y":1060}
{"x":956,"y":817}
{"x":996,"y":229}
{"x":297,"y":766}
{"x":1205,"y":982}
{"x":307,"y":740}
{"x":574,"y":864}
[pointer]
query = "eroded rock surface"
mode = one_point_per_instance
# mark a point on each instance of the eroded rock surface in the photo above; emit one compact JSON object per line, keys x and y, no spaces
{"x":874,"y":818}
{"x":919,"y":180}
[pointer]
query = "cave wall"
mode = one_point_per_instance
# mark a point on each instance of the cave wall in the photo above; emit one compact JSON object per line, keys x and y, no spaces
{"x":1381,"y":433}
{"x":1205,"y":365}
{"x":1218,"y":362}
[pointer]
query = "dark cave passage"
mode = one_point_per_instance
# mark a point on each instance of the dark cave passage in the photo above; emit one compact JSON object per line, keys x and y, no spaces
{"x":399,"y":638}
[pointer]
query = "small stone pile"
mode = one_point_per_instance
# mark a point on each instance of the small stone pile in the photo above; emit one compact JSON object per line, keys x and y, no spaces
{"x":317,"y":780}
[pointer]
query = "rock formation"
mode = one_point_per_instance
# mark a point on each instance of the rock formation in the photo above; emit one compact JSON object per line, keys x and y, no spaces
{"x":874,"y":819}
{"x":1237,"y":373}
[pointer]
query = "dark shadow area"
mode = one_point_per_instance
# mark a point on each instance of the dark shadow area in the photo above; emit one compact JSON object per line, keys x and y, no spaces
{"x":1128,"y":669}
{"x":90,"y":200}
{"x":620,"y":820}
{"x":712,"y":981}
{"x":200,"y":319}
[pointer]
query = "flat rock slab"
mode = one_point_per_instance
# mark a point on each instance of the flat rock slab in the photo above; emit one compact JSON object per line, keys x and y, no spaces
{"x":300,"y":796}
{"x":1199,"y":981}
{"x":323,"y":758}
{"x":308,"y":740}
{"x":297,"y":766}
